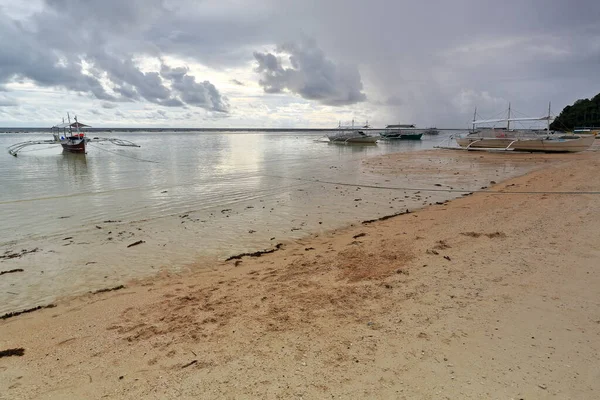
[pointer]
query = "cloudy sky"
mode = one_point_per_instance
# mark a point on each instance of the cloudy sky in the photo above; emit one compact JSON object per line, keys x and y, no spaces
{"x":292,"y":63}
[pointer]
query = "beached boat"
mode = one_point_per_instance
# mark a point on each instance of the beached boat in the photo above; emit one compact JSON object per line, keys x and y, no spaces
{"x":71,"y":137}
{"x":555,"y":143}
{"x":352,"y":134}
{"x":523,"y":140}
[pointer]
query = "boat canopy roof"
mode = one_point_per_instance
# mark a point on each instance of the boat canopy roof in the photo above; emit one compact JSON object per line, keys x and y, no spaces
{"x":72,"y":125}
{"x":490,"y":121}
{"x":401,"y":126}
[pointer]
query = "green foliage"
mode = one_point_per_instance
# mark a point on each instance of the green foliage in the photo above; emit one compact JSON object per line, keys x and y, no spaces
{"x":584,"y":112}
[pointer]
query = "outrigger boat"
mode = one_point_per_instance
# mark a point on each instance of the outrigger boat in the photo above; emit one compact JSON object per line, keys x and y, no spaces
{"x":71,"y":137}
{"x":523,"y":140}
{"x":352,"y":134}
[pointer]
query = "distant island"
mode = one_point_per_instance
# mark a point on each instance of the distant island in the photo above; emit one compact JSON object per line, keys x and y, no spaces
{"x":583,"y":113}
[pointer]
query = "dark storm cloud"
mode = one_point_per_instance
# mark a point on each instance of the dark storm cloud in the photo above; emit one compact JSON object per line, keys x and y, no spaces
{"x":200,"y":94}
{"x":527,"y":52}
{"x":23,"y":57}
{"x":311,"y":75}
{"x":93,"y":54}
{"x":236,"y":82}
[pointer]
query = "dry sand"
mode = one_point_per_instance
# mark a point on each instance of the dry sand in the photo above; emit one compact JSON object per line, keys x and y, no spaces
{"x":494,"y":295}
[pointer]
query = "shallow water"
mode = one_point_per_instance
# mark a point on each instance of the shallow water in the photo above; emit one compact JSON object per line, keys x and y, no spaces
{"x":197,"y":171}
{"x":191,"y":197}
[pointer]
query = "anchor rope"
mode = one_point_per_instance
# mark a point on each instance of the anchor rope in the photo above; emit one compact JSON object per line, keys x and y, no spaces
{"x":123,"y":155}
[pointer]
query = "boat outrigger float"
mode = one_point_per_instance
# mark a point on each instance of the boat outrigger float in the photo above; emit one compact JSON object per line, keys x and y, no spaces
{"x":71,"y":137}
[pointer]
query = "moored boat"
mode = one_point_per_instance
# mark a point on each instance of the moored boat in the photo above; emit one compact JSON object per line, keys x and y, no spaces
{"x":402,"y":132}
{"x":71,"y":137}
{"x":399,"y":135}
{"x":351,"y":134}
{"x":71,"y":142}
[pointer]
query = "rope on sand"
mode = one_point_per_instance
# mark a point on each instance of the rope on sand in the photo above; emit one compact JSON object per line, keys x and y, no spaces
{"x":447,"y":190}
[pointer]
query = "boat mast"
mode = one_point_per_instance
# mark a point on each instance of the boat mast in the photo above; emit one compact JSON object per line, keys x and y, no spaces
{"x":474,"y":118}
{"x":548,"y":121}
{"x":77,"y":126}
{"x":508,"y":121}
{"x":70,"y":130}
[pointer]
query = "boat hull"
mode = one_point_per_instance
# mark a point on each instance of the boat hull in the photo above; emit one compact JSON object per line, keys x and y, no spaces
{"x":563,"y":144}
{"x":404,"y":136}
{"x":361,"y":139}
{"x":484,"y":143}
{"x":556,"y":145}
{"x":74,"y":146}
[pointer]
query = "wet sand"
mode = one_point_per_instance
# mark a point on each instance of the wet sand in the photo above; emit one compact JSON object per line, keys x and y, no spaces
{"x":491,"y":295}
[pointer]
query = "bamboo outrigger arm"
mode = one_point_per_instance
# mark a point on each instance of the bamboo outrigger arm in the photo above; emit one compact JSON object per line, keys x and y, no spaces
{"x":15,"y":148}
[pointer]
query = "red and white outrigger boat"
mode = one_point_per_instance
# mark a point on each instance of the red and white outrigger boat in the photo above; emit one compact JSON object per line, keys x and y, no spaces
{"x":71,"y":137}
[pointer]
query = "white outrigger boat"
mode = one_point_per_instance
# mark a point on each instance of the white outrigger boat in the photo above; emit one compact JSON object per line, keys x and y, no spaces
{"x":71,"y":137}
{"x":523,"y":140}
{"x":352,"y":134}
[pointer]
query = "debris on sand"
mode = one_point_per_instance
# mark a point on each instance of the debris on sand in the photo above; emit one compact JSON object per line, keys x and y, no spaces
{"x":19,"y":352}
{"x":135,"y":243}
{"x":370,"y":221}
{"x":189,"y":364}
{"x":9,"y":254}
{"x":112,"y":289}
{"x":471,"y":234}
{"x":10,"y":271}
{"x":15,"y":313}
{"x":492,"y":235}
{"x":256,"y":253}
{"x":496,"y":235}
{"x":441,"y":245}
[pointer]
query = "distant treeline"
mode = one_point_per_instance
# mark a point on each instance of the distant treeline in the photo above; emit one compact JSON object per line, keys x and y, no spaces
{"x":583,"y":113}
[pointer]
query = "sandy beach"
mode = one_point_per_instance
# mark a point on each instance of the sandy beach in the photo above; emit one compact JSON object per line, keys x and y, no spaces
{"x":491,"y":295}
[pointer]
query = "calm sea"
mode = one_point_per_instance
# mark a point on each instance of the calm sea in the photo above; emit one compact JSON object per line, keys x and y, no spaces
{"x":170,"y":173}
